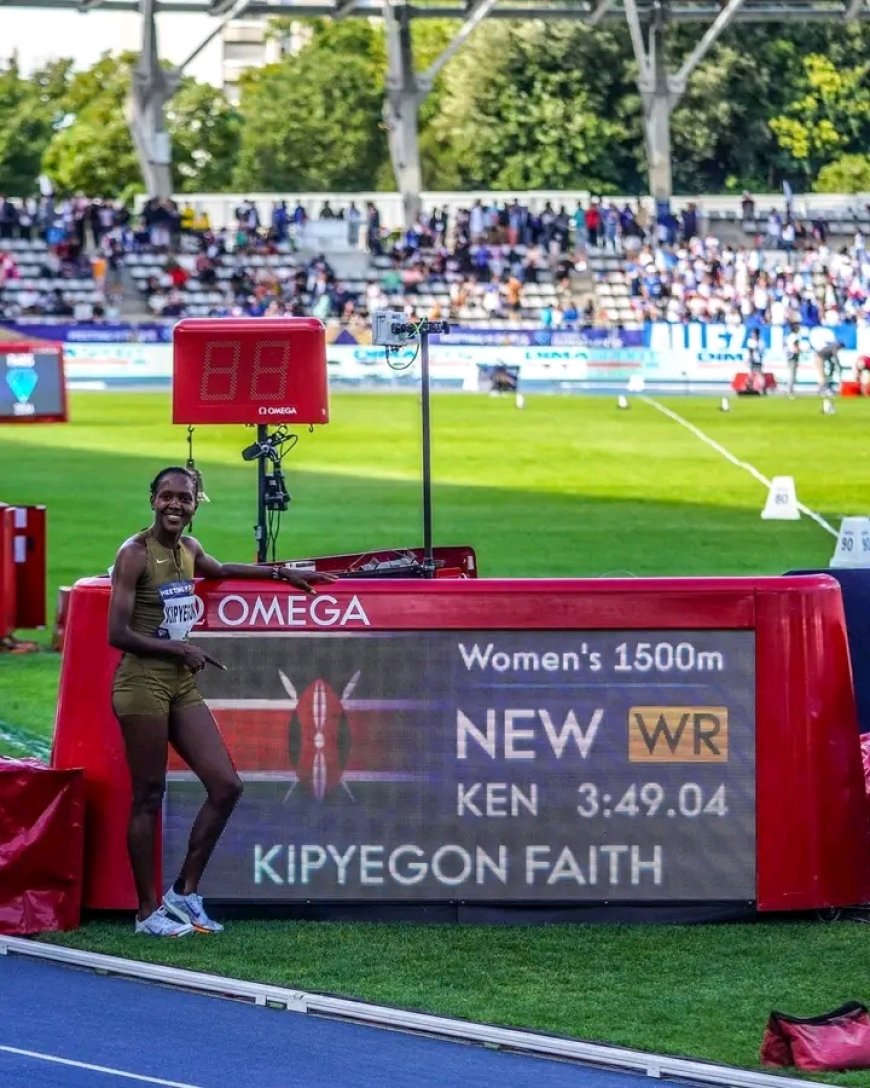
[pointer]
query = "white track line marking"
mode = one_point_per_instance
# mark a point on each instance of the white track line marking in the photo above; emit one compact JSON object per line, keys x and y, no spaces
{"x":95,"y":1068}
{"x":745,"y":465}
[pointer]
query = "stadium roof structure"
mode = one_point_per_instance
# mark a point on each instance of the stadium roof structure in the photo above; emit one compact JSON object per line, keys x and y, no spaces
{"x":592,"y":11}
{"x":660,"y":89}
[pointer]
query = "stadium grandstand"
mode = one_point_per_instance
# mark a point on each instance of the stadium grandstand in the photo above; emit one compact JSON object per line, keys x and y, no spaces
{"x":604,"y":264}
{"x":660,"y":88}
{"x":512,"y":259}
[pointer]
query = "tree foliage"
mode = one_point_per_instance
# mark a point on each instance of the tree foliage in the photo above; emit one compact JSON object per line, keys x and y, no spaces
{"x":29,"y":111}
{"x":545,"y":105}
{"x":92,"y":150}
{"x":205,"y":131}
{"x":829,"y":114}
{"x":720,"y":133}
{"x":848,"y":174}
{"x":520,"y":111}
{"x":313,"y":120}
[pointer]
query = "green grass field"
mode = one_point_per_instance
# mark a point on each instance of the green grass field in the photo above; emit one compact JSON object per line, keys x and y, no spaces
{"x":568,"y":487}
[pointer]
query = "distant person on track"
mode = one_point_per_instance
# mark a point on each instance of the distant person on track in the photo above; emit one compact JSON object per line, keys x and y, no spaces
{"x":755,"y":361}
{"x":503,"y":379}
{"x":828,"y":364}
{"x":156,"y":701}
{"x":793,"y":356}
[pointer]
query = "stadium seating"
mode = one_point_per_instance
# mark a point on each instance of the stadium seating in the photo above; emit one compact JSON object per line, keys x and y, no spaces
{"x":37,"y":281}
{"x":271,"y":279}
{"x":481,"y":270}
{"x":703,"y":281}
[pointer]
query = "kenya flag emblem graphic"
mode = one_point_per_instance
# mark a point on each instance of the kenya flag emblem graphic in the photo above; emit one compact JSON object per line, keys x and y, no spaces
{"x":320,"y":735}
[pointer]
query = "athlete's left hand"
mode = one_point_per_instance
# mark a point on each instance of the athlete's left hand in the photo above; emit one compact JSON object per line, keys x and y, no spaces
{"x":306,"y":581}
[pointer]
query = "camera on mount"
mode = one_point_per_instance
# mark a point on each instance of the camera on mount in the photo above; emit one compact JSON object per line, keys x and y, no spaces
{"x":391,"y":330}
{"x":275,"y":494}
{"x":267,"y":447}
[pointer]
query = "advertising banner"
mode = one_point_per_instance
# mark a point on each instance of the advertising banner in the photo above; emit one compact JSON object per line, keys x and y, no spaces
{"x":697,"y":352}
{"x":458,"y":366}
{"x":92,"y":332}
{"x":546,"y":360}
{"x":479,"y":765}
{"x":118,"y":363}
{"x":543,"y":338}
{"x":160,"y":332}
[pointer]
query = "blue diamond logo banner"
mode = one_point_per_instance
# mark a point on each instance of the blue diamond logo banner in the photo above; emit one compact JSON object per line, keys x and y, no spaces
{"x":22,"y":383}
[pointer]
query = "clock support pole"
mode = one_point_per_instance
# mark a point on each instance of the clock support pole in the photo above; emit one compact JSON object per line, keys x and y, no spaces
{"x":272,"y":493}
{"x":260,"y":534}
{"x":421,"y":331}
{"x":392,"y":331}
{"x":428,"y":553}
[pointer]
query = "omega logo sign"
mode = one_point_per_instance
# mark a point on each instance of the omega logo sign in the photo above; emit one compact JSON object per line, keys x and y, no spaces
{"x":323,"y":610}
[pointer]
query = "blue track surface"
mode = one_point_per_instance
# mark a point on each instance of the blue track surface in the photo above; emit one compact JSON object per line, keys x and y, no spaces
{"x":142,"y":1033}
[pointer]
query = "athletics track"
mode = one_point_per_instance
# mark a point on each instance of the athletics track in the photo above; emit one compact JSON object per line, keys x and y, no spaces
{"x":68,"y":1027}
{"x":196,"y":1041}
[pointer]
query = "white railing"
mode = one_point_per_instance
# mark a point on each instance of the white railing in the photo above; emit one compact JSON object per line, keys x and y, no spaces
{"x":221,"y":207}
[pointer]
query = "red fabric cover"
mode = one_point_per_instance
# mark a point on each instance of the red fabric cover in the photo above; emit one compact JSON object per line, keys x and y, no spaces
{"x":835,"y":1040}
{"x":42,"y":814}
{"x":746,"y":382}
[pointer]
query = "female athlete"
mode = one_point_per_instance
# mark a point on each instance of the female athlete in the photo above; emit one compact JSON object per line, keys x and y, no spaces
{"x":156,"y":700}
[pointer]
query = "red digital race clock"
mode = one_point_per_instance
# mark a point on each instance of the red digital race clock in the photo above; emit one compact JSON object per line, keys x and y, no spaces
{"x":249,"y":370}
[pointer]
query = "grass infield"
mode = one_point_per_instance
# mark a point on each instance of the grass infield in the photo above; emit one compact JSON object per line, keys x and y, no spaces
{"x":567,"y":487}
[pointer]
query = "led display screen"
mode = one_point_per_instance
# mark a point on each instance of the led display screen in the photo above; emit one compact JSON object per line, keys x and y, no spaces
{"x":506,"y":766}
{"x":31,"y":384}
{"x":249,"y":370}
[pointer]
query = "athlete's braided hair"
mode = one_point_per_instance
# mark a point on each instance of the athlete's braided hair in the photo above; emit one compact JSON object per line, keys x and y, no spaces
{"x":171,"y":471}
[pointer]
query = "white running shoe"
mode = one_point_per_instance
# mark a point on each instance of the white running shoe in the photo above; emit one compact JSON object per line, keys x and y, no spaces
{"x":159,"y":924}
{"x":189,"y":910}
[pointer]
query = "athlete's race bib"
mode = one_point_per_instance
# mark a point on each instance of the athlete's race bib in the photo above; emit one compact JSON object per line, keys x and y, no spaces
{"x":180,"y":610}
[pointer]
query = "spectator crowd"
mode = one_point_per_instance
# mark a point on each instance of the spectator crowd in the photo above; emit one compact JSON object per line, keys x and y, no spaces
{"x":702,"y":280}
{"x":601,"y":264}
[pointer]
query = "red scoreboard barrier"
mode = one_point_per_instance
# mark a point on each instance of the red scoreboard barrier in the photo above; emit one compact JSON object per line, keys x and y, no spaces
{"x":548,"y":742}
{"x":22,"y":568}
{"x":8,"y":572}
{"x":28,"y":547}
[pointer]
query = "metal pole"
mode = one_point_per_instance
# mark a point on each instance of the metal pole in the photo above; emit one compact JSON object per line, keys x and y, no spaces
{"x":260,"y":527}
{"x":428,"y":556}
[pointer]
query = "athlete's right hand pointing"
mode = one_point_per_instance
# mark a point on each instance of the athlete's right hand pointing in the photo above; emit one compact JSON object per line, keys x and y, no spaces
{"x":196,"y":658}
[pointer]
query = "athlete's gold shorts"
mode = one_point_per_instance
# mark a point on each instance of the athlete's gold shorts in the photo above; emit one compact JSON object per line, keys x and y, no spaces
{"x":152,"y":687}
